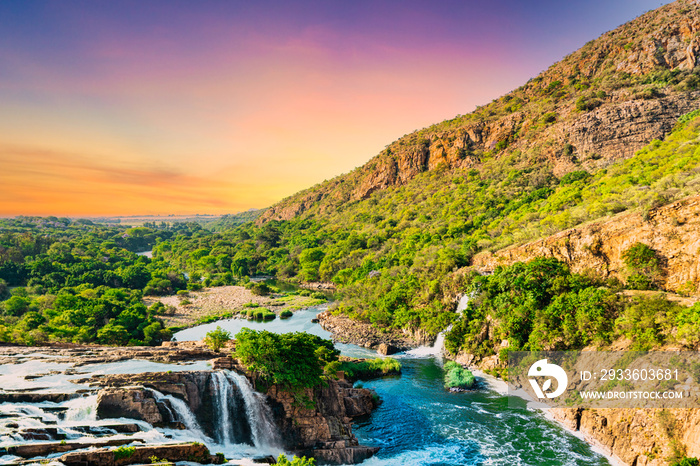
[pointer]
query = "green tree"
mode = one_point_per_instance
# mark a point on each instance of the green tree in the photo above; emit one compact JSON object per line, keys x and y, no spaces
{"x":310,"y":261}
{"x":643,"y":267}
{"x":16,"y":305}
{"x":113,"y":334}
{"x":135,"y":276}
{"x":292,"y":360}
{"x":217,"y":339}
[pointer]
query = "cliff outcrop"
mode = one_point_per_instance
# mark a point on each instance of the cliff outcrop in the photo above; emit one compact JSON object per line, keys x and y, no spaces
{"x":639,"y":437}
{"x":323,"y":429}
{"x":673,"y":231}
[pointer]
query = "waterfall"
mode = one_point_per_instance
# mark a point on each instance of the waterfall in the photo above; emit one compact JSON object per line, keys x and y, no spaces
{"x":427,"y":351}
{"x":463,"y":302}
{"x":257,"y":412}
{"x":223,"y":393}
{"x":439,"y":345}
{"x":182,"y":411}
{"x":240,"y":414}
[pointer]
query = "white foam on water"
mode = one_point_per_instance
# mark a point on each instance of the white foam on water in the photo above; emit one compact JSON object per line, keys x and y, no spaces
{"x":434,"y":454}
{"x":81,"y":409}
{"x":436,"y":350}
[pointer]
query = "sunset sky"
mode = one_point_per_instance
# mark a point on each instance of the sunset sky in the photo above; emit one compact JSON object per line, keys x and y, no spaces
{"x":168,"y":106}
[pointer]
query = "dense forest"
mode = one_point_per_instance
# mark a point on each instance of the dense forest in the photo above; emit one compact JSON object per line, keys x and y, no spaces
{"x":74,"y":280}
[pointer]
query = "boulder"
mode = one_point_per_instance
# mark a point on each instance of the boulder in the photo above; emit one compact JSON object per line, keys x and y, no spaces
{"x":134,"y":403}
{"x":385,"y":349}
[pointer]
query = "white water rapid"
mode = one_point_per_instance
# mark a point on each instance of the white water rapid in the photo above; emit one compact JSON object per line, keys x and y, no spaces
{"x":438,"y":347}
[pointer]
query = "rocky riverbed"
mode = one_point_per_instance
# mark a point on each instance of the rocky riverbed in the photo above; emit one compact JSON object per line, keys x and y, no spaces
{"x":60,"y":401}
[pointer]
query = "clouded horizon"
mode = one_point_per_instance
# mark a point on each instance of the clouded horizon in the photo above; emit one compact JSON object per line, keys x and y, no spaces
{"x":181,"y":107}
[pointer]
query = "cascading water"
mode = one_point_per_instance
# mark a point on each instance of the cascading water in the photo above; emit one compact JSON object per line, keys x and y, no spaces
{"x":463,"y":303}
{"x":182,"y":412}
{"x":257,"y":412}
{"x":81,"y":409}
{"x":439,"y":345}
{"x":223,"y":393}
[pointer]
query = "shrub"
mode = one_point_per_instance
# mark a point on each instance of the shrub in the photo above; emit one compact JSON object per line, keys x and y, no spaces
{"x":574,"y":176}
{"x":262,"y":314}
{"x":549,"y":118}
{"x":217,"y":339}
{"x":259,"y":288}
{"x":370,"y":368}
{"x":643,"y":267}
{"x":296,"y":461}
{"x":685,"y":461}
{"x":648,"y":322}
{"x":586,"y":104}
{"x":123,"y":452}
{"x":286,"y":314}
{"x":458,"y":377}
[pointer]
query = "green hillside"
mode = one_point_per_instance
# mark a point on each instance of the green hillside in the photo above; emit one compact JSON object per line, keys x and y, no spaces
{"x":415,"y":238}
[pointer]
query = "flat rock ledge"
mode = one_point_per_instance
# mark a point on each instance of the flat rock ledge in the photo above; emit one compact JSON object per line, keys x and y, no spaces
{"x":190,"y":452}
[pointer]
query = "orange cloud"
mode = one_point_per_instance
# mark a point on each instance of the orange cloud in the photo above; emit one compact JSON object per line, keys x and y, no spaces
{"x":40,"y":182}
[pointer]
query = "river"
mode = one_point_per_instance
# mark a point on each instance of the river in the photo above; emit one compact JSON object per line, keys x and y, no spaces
{"x":419,"y":423}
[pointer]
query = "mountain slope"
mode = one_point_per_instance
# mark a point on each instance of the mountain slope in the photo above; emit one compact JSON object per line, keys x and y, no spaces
{"x":599,"y":104}
{"x":396,"y":235}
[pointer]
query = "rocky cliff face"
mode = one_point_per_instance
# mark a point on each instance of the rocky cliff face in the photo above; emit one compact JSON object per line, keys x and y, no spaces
{"x":322,"y":431}
{"x":599,"y":104}
{"x":673,"y":231}
{"x":639,"y":437}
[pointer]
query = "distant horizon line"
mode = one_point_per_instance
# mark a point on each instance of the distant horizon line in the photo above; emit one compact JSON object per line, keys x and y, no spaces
{"x":100,"y":216}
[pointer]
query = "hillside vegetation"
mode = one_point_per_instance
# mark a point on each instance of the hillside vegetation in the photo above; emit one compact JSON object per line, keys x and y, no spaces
{"x":398,"y":256}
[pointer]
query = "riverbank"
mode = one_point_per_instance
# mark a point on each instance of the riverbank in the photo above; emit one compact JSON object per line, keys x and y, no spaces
{"x":210,"y":304}
{"x":346,"y":330}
